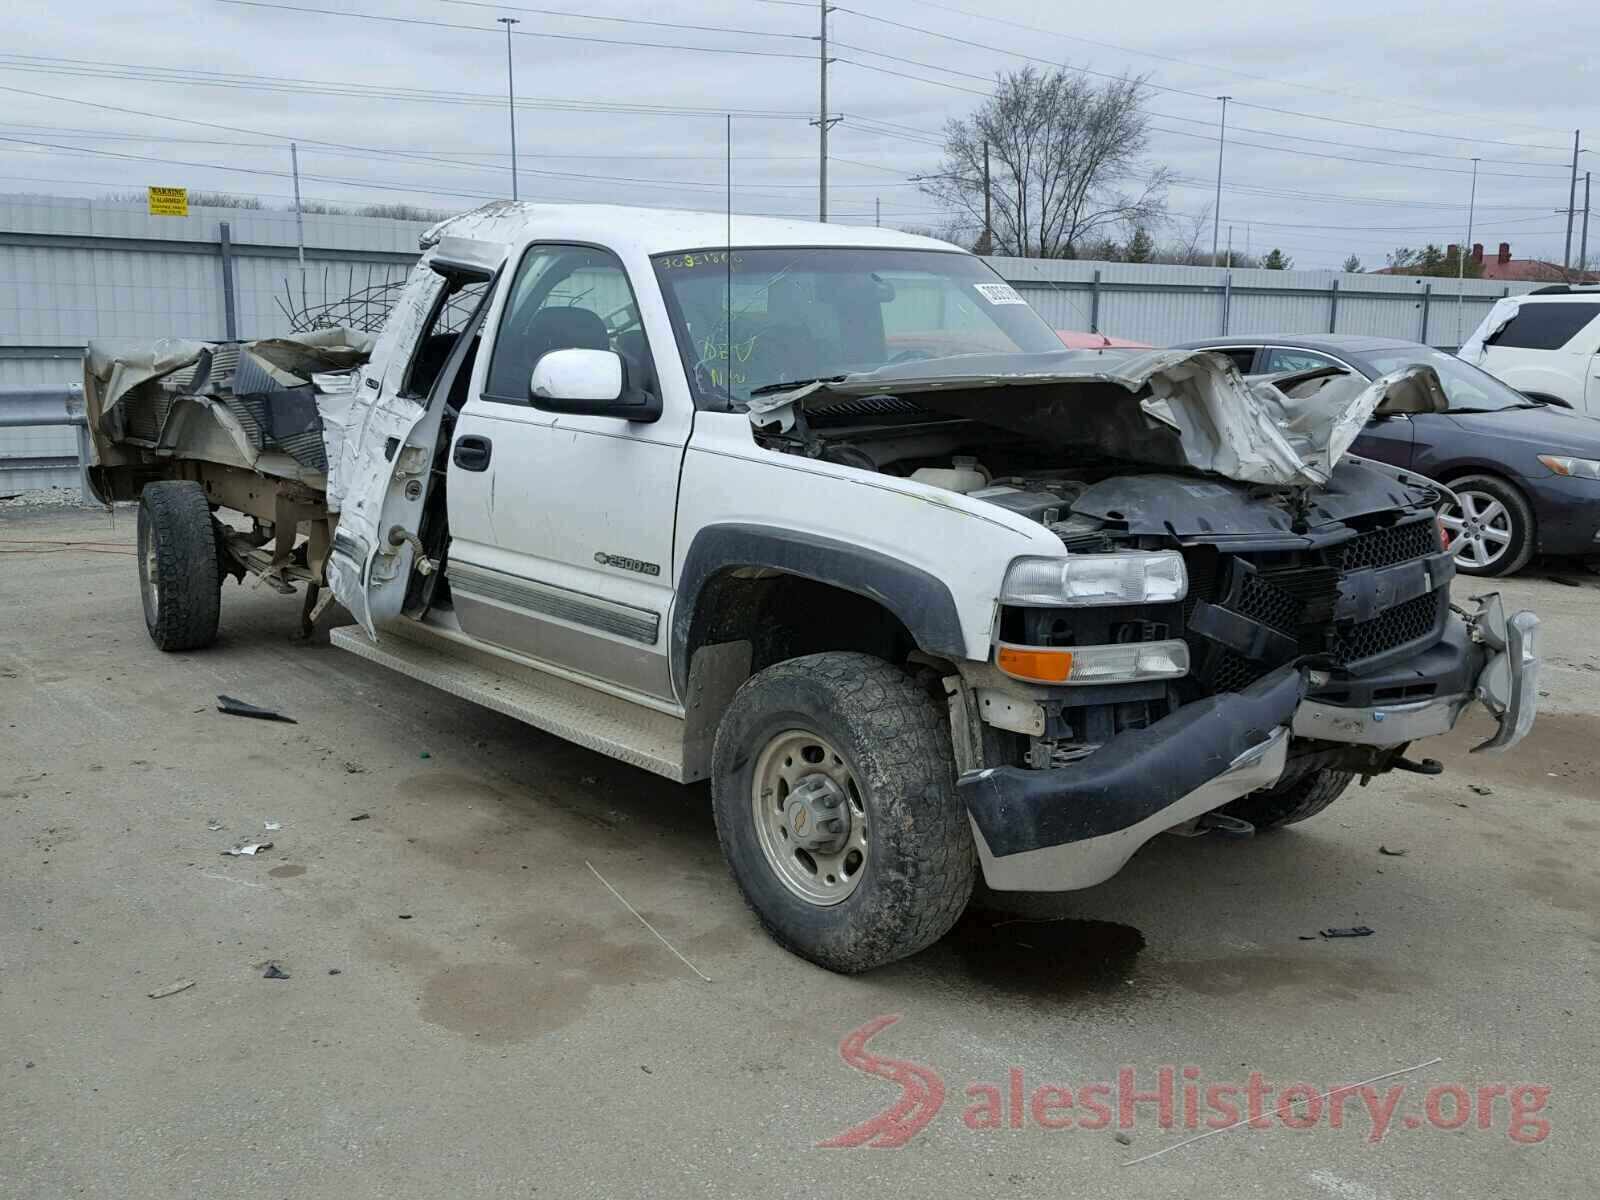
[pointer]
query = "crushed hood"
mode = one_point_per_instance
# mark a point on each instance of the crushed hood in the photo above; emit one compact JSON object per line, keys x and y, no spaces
{"x":1186,"y":409}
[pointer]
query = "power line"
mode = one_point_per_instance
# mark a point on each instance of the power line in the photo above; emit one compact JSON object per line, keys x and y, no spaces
{"x":560,"y":37}
{"x":989,"y":18}
{"x":556,"y":12}
{"x":319,"y":87}
{"x":1144,"y":82}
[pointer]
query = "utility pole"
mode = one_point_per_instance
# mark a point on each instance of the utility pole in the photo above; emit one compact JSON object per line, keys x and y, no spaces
{"x":988,"y":208}
{"x":1216,"y":210}
{"x":511,"y":100}
{"x":877,"y":210}
{"x":1230,"y":243}
{"x":299,"y":220}
{"x":1572,"y":199}
{"x":1583,"y":252}
{"x":1466,"y":248}
{"x":823,"y":120}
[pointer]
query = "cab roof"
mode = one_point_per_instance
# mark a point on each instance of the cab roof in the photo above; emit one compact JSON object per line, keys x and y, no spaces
{"x":658,"y":230}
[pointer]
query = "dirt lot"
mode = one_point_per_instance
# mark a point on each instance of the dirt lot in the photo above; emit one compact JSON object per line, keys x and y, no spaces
{"x":470,"y":1013}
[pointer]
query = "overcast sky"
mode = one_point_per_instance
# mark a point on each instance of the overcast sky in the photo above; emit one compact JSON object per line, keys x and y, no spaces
{"x":1509,"y":88}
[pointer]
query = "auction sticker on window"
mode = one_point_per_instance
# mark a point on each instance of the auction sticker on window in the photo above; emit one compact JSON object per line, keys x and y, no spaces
{"x":999,"y":293}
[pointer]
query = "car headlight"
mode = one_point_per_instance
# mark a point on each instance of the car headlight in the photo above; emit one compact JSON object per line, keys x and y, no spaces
{"x":1126,"y":577}
{"x":1561,"y":464}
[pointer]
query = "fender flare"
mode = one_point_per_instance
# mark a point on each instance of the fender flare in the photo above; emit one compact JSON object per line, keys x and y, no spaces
{"x":921,"y":601}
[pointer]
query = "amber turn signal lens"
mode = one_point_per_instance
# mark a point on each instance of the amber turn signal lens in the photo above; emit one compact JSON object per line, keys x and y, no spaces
{"x":1039,"y":666}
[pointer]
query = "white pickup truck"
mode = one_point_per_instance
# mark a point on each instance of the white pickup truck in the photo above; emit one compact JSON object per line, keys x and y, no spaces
{"x":827,"y":516}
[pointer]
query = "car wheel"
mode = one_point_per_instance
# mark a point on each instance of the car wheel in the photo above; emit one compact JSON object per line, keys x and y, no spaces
{"x":834,"y":788}
{"x":1286,"y":803}
{"x":177,"y":560}
{"x":1491,"y":529}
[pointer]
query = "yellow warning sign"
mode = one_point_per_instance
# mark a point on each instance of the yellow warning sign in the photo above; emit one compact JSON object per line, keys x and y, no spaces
{"x":169,"y":202}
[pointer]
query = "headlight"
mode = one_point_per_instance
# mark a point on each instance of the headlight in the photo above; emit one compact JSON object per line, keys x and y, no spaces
{"x":1129,"y":577}
{"x":1126,"y":662}
{"x":1583,"y":468}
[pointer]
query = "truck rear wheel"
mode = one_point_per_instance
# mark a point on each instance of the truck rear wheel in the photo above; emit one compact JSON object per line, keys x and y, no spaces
{"x":178,"y":574}
{"x":1285,"y":803}
{"x":833,"y":784}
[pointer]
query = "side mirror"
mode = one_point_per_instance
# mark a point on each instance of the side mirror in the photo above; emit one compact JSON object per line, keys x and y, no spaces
{"x":590,"y":382}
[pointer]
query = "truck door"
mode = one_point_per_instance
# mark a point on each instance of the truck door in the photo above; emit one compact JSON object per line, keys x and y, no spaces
{"x":561,"y":524}
{"x":381,"y":475}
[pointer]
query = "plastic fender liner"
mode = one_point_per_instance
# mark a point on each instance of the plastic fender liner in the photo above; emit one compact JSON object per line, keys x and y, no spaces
{"x":1134,"y":775}
{"x":921,"y":601}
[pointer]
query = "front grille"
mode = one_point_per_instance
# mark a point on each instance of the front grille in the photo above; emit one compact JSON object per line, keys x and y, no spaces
{"x":1266,"y":602}
{"x":1295,"y":594}
{"x":1408,"y":622}
{"x":1385,"y":547}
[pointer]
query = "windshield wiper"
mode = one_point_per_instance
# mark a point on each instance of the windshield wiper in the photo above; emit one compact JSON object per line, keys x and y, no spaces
{"x":770,"y":389}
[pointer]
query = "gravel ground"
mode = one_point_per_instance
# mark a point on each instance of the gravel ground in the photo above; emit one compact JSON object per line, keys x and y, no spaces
{"x":469,"y":1012}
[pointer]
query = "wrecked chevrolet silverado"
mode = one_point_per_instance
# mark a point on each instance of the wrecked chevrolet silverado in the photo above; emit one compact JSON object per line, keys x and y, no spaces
{"x":826,"y":516}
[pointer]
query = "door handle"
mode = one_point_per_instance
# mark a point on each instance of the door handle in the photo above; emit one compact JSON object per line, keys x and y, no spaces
{"x":471,"y":453}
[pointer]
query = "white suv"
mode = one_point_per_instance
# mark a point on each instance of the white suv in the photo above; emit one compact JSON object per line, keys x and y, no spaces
{"x":1545,"y":344}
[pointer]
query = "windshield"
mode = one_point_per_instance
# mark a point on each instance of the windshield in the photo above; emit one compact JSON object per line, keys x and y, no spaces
{"x":1469,"y":389}
{"x":805,"y":313}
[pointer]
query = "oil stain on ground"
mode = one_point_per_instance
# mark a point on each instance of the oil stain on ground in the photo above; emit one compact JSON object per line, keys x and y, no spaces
{"x":1052,"y":959}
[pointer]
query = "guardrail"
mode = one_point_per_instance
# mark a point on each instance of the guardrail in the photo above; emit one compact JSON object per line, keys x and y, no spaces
{"x":37,"y":406}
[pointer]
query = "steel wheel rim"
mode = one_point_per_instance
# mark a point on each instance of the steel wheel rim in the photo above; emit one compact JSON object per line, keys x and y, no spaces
{"x":1480,"y":529}
{"x":148,"y":574}
{"x":802,"y":788}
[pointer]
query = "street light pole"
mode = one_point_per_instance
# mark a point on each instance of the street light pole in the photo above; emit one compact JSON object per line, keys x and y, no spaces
{"x":511,"y":100}
{"x":1216,"y":210}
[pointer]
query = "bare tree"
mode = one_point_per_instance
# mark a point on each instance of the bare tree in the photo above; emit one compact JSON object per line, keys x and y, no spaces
{"x":1066,"y":161}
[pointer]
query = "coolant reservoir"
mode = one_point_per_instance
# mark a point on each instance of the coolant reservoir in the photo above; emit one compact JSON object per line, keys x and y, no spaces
{"x":965,"y":475}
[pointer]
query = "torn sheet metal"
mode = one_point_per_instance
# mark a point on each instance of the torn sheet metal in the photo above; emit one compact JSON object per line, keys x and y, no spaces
{"x":1474,"y":349}
{"x":231,"y":402}
{"x":1166,"y":408}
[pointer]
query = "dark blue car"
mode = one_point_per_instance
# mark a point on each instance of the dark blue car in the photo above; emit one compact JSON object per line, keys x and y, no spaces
{"x":1527,"y":473}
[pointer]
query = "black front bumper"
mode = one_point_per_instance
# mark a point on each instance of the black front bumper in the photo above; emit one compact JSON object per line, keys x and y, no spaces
{"x":1132,"y":777}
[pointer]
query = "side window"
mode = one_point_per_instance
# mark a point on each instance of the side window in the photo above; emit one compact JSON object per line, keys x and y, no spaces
{"x":566,"y":298}
{"x":452,"y":312}
{"x":1281,"y":361}
{"x":1548,"y":326}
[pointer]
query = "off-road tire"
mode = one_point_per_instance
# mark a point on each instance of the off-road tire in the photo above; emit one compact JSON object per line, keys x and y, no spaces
{"x":1284,"y":804}
{"x":921,"y":862}
{"x":1524,"y":534}
{"x":178,"y":554}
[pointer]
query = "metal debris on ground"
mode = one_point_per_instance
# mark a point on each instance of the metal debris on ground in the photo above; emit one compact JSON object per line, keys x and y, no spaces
{"x":1352,"y":931}
{"x":272,"y":826}
{"x":1393,"y":853}
{"x":247,"y":849}
{"x":241,"y":708}
{"x":362,"y":817}
{"x":274,"y":971}
{"x":172,"y":989}
{"x":214,"y":825}
{"x":1480,"y":789}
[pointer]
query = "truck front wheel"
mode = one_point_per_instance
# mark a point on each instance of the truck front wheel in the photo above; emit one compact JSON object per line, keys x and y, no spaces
{"x":1285,"y":803}
{"x":178,"y":575}
{"x":833,"y":784}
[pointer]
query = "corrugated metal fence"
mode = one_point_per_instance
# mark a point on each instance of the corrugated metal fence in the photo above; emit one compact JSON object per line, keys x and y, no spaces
{"x":74,"y":269}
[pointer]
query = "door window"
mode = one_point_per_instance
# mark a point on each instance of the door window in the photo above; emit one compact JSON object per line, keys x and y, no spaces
{"x":1280,"y":361}
{"x":566,"y":298}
